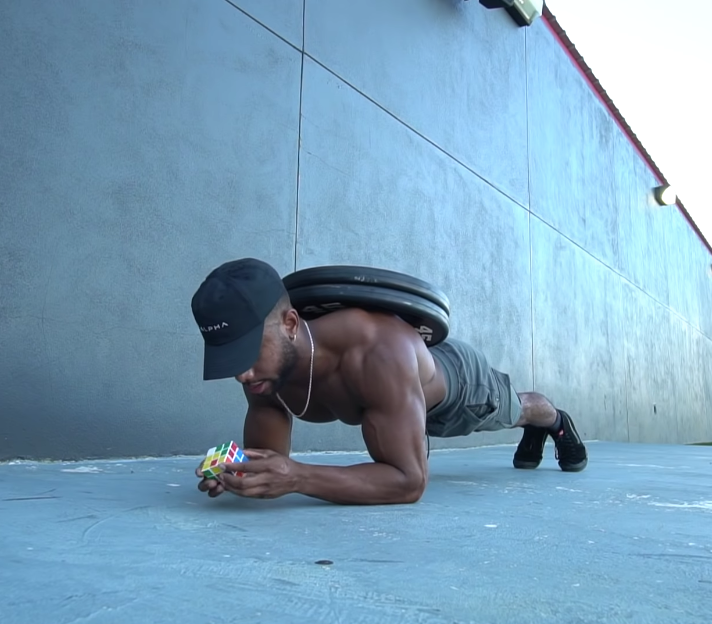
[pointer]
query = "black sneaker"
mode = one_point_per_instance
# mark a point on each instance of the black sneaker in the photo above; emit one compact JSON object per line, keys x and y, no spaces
{"x":570,"y":450}
{"x":530,"y":451}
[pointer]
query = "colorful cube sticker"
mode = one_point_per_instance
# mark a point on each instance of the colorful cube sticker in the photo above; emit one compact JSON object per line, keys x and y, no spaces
{"x":225,"y":453}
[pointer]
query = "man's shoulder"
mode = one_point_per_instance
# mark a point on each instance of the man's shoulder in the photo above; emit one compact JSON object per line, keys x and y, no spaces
{"x":355,"y":330}
{"x":370,"y":343}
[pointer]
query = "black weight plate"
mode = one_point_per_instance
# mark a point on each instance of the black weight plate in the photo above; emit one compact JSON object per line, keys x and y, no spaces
{"x":428,"y":319}
{"x":347,"y":274}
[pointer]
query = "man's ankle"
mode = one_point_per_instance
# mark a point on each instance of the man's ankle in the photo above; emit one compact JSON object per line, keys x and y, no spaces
{"x":556,"y":427}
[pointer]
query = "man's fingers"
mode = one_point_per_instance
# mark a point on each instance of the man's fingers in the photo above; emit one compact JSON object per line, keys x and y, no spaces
{"x":216,"y":491}
{"x":255,"y":492}
{"x":254,"y":485}
{"x":212,"y":486}
{"x":233,"y":481}
{"x":249,"y":466}
{"x":236,"y":483}
{"x":208,"y":484}
{"x":256,"y":453}
{"x":248,"y":491}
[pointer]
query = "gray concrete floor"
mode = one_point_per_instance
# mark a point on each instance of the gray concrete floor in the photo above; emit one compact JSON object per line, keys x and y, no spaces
{"x":627,"y":540}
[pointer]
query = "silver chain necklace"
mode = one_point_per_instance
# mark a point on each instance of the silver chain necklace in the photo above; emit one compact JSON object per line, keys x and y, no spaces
{"x":311,"y":376}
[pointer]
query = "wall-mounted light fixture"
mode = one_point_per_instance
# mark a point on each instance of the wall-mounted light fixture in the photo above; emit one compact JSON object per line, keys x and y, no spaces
{"x":665,"y":195}
{"x":524,"y":12}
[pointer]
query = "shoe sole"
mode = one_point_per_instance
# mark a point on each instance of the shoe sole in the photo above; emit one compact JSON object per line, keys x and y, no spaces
{"x":574,"y":467}
{"x":524,"y":465}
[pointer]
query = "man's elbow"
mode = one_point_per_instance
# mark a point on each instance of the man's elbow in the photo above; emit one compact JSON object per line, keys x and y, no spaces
{"x":414,"y":488}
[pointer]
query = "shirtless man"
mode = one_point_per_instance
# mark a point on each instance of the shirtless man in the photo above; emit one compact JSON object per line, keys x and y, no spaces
{"x":363,"y":369}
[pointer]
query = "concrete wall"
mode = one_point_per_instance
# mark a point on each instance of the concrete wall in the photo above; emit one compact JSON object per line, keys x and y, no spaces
{"x":146,"y":141}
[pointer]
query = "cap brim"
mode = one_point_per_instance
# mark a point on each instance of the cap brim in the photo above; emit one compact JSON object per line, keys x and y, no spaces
{"x":234,"y":358}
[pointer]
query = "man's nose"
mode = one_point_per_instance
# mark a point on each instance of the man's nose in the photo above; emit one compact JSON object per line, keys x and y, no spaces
{"x":246,"y":377}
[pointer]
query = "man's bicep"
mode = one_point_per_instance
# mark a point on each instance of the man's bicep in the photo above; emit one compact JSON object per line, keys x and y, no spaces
{"x":267,"y":427}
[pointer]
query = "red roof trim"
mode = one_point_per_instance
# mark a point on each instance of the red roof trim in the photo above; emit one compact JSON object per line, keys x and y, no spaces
{"x":578,"y":60}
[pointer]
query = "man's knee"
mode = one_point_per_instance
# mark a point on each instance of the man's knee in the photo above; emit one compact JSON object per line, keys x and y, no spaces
{"x":533,"y":399}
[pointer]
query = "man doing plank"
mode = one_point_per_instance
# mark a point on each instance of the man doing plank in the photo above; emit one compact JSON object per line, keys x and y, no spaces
{"x":362,"y":368}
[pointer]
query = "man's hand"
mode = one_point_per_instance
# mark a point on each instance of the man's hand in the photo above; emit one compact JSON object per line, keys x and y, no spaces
{"x":266,"y":475}
{"x":211,"y":486}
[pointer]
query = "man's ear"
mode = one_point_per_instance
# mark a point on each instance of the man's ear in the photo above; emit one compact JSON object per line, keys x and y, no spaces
{"x":291,"y":321}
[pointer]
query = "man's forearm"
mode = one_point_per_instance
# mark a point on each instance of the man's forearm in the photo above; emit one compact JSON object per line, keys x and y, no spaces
{"x":362,"y":484}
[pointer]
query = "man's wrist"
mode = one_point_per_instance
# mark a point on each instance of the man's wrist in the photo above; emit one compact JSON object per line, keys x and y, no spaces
{"x":299,"y":476}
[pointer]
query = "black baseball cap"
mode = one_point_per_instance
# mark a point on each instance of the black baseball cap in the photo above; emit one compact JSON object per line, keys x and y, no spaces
{"x":230,"y":308}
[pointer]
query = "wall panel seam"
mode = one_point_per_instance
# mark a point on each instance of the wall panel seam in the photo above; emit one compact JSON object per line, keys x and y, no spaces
{"x":299,"y":137}
{"x":529,"y":200}
{"x":623,"y":277}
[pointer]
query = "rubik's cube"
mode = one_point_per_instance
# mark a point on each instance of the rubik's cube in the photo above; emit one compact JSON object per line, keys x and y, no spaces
{"x":225,"y":454}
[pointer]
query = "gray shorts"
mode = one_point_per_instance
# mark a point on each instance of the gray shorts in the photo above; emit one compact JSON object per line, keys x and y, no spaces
{"x":479,"y":398}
